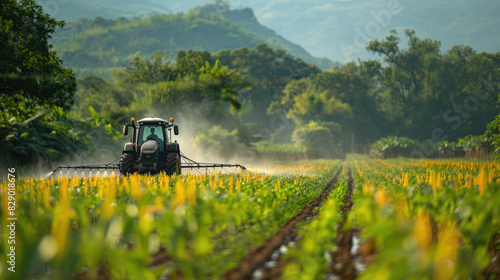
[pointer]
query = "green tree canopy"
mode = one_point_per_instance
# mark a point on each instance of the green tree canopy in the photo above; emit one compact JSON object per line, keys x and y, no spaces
{"x":31,"y":74}
{"x":321,"y":138}
{"x":430,"y":94}
{"x":268,"y":71}
{"x":346,"y":95}
{"x":493,"y":134}
{"x":36,"y":91}
{"x":196,"y":86}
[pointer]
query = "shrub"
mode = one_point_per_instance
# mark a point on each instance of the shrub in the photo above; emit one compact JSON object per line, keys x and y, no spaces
{"x":493,"y":134}
{"x":319,"y":138}
{"x":394,"y":146}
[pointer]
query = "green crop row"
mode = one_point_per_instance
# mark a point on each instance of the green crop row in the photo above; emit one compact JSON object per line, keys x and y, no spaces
{"x":146,"y":226}
{"x":428,"y":219}
{"x":310,"y":257}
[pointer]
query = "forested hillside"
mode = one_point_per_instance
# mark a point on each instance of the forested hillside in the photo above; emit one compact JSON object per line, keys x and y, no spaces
{"x":328,"y":29}
{"x":72,"y":10}
{"x":94,"y":46}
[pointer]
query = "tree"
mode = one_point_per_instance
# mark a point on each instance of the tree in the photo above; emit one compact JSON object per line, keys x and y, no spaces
{"x":321,"y":138}
{"x":408,"y":66}
{"x":427,"y":94}
{"x":31,"y":74}
{"x":346,"y":95}
{"x":192,"y":79}
{"x":493,"y":134}
{"x":355,"y":85}
{"x":36,"y":91}
{"x":269,"y":71}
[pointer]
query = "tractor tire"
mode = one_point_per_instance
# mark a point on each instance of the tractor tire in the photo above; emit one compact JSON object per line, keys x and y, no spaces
{"x":173,"y":164}
{"x":127,"y":164}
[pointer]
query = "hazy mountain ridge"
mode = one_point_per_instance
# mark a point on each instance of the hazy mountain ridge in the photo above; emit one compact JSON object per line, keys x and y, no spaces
{"x":246,"y":19}
{"x":71,"y":10}
{"x":98,"y":44}
{"x":467,"y":22}
{"x":325,"y":28}
{"x":322,"y":28}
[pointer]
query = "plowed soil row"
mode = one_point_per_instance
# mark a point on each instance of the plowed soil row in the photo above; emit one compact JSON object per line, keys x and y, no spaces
{"x":493,"y":269}
{"x":257,"y":257}
{"x":342,"y":260}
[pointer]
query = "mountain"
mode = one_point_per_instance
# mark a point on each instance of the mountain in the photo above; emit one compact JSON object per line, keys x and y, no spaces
{"x":72,"y":10}
{"x":337,"y":29}
{"x":93,"y":46}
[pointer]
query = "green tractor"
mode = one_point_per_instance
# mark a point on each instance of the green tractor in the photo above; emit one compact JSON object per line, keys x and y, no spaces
{"x":151,"y":149}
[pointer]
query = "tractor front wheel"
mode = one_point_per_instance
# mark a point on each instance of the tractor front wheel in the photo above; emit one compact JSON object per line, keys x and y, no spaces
{"x":173,"y":164}
{"x":127,"y":163}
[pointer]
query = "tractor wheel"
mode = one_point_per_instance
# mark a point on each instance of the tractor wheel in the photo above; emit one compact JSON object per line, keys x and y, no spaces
{"x":127,"y":163}
{"x":173,"y":164}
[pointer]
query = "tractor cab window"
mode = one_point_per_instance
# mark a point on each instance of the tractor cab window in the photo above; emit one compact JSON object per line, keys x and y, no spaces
{"x":151,"y":132}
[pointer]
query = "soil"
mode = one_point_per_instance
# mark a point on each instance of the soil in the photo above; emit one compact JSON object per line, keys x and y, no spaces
{"x":342,"y":260}
{"x":160,"y":258}
{"x":101,"y":274}
{"x":366,"y":250}
{"x":257,"y":258}
{"x":493,"y":270}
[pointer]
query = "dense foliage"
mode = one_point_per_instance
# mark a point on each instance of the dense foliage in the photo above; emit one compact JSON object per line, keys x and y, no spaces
{"x":493,"y":134}
{"x":429,"y":94}
{"x":268,"y":72}
{"x":480,"y":146}
{"x":36,"y":91}
{"x":30,"y":72}
{"x":418,"y":92}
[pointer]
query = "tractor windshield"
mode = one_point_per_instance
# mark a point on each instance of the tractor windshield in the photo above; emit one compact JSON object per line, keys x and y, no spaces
{"x":151,"y":132}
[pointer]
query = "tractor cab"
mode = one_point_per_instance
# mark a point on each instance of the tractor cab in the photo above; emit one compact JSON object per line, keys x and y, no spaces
{"x":152,"y":132}
{"x":151,"y":149}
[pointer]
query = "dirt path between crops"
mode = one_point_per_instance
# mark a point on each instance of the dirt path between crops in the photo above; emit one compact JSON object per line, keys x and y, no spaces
{"x":257,"y":258}
{"x":347,"y":258}
{"x":343,"y":266}
{"x":493,"y":269}
{"x":342,"y":259}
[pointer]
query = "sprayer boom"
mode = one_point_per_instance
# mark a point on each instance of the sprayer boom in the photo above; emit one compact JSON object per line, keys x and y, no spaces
{"x":115,"y":165}
{"x":109,"y":166}
{"x":189,"y":163}
{"x":151,"y":150}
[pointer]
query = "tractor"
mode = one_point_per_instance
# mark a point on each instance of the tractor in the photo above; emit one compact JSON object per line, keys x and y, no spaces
{"x":151,"y":149}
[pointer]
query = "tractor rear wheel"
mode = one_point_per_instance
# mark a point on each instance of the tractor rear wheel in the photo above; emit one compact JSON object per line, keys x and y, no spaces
{"x":127,"y":163}
{"x":173,"y":164}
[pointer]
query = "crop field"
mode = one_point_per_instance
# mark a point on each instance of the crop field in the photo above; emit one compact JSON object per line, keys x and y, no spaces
{"x":366,"y":219}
